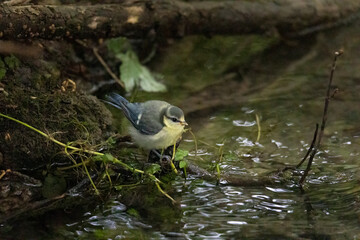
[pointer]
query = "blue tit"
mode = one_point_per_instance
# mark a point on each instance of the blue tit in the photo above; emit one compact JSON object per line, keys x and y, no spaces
{"x":154,"y":124}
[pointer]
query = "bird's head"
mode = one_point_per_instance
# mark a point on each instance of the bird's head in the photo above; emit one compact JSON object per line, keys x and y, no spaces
{"x":174,"y":118}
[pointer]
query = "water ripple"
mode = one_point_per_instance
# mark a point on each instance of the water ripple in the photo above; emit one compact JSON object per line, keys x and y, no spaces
{"x":278,"y":190}
{"x":245,"y":142}
{"x":242,"y":123}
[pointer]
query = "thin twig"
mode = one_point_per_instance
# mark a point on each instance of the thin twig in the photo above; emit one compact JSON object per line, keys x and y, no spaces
{"x":308,"y":167}
{"x":310,"y":148}
{"x":107,"y":68}
{"x":307,"y":153}
{"x":324,"y":118}
{"x":327,"y":99}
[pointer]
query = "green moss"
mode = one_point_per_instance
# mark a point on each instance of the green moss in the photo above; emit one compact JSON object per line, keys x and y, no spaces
{"x":2,"y":69}
{"x":133,"y":212}
{"x":67,"y":116}
{"x":53,"y":186}
{"x":52,"y":70}
{"x":12,"y":62}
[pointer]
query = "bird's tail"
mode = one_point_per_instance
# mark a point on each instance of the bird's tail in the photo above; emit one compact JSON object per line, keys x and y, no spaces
{"x":116,"y":100}
{"x":130,"y":110}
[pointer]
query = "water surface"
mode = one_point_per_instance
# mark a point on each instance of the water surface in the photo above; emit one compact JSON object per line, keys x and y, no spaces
{"x":285,"y":88}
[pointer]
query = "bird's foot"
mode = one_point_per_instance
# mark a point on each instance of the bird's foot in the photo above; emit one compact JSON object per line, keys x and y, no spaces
{"x":163,"y":159}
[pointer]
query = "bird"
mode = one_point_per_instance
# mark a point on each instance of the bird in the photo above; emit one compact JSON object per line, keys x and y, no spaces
{"x":155,"y":124}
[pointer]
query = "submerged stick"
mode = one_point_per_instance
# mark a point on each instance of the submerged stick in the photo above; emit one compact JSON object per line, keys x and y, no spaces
{"x":328,"y":97}
{"x":324,"y":119}
{"x":310,"y":148}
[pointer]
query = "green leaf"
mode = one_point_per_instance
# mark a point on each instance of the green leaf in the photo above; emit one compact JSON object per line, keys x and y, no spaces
{"x":133,"y":74}
{"x":133,"y":212}
{"x":180,"y":154}
{"x":153,"y":168}
{"x":118,"y":45}
{"x":111,"y":141}
{"x":108,"y":157}
{"x":183,"y":164}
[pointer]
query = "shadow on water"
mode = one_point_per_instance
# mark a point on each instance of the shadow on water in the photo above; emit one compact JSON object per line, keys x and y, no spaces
{"x":285,"y":86}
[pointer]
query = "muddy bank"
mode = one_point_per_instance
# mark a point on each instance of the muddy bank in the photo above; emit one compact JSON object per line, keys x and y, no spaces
{"x":37,"y":90}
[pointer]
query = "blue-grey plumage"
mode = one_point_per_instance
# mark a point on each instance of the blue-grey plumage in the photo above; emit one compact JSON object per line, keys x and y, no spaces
{"x":155,"y":124}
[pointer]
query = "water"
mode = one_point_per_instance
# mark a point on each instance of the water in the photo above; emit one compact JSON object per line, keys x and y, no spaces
{"x":328,"y":208}
{"x":289,"y":103}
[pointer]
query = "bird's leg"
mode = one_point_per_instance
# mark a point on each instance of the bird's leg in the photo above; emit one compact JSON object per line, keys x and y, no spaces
{"x":164,"y":160}
{"x":154,"y":156}
{"x":161,"y":157}
{"x":156,"y":152}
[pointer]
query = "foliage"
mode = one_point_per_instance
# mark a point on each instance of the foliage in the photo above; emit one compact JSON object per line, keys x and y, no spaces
{"x":132,"y":72}
{"x":110,"y":142}
{"x":179,"y":156}
{"x":12,"y":62}
{"x":133,"y":212}
{"x":118,"y":45}
{"x":2,"y":69}
{"x":104,"y":158}
{"x":153,"y":168}
{"x":96,"y":156}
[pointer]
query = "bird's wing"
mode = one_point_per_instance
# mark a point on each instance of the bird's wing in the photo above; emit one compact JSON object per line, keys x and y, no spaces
{"x":149,"y":121}
{"x":134,"y":112}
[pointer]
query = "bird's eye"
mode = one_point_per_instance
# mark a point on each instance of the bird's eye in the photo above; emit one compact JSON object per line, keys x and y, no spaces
{"x":174,"y":119}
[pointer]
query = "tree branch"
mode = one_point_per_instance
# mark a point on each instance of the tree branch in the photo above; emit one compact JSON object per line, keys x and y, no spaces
{"x":169,"y":18}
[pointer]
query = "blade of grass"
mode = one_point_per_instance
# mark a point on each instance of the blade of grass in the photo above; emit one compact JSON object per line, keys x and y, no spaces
{"x":195,"y":141}
{"x":88,"y":174}
{"x":258,"y":127}
{"x":172,"y":161}
{"x":164,"y":193}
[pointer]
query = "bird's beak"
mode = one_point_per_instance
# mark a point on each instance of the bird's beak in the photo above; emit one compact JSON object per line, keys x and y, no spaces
{"x":183,"y":123}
